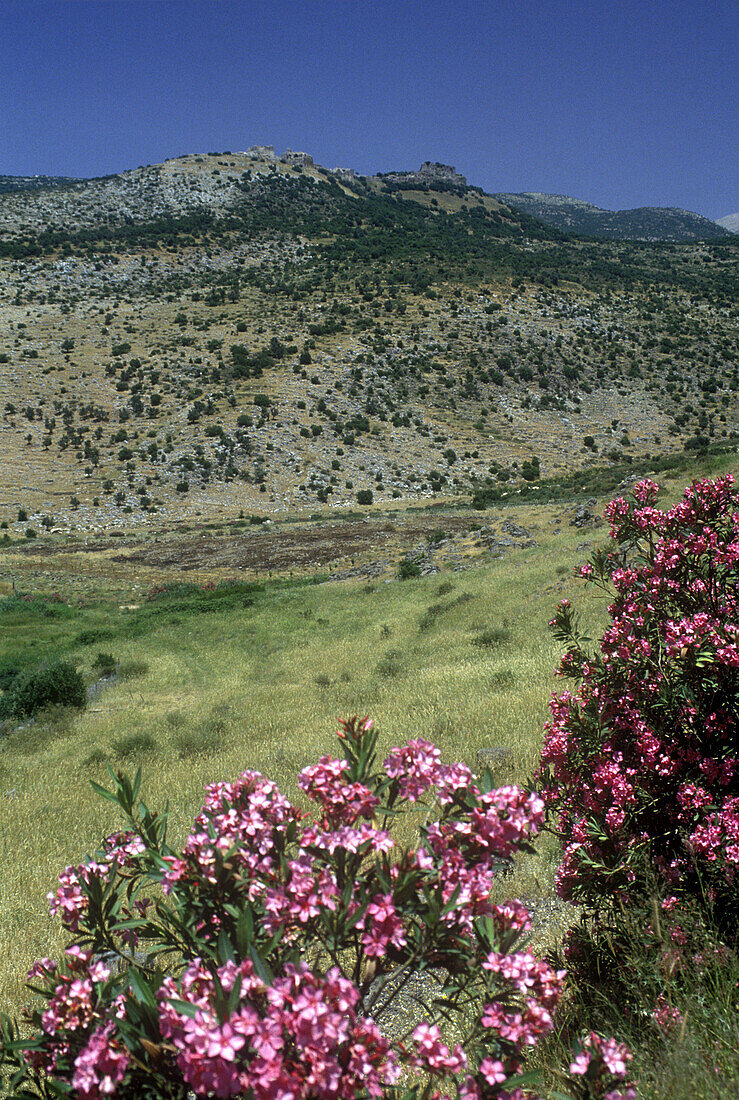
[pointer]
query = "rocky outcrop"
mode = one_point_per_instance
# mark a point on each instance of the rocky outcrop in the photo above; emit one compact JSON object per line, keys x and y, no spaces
{"x":303,"y":160}
{"x":430,"y":174}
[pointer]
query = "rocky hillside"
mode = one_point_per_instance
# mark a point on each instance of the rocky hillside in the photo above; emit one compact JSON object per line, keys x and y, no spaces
{"x":9,"y":184}
{"x":239,"y":332}
{"x":646,"y":223}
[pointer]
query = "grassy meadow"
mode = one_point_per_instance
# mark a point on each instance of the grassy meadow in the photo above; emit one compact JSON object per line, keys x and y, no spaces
{"x":461,"y":658}
{"x":255,"y":675}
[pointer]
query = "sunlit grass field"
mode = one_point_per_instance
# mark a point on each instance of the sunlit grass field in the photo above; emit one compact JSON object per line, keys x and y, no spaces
{"x":461,"y":658}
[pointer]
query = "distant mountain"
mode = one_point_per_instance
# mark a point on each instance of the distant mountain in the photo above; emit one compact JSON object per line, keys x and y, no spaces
{"x":730,"y":222}
{"x":11,"y":184}
{"x":646,"y":223}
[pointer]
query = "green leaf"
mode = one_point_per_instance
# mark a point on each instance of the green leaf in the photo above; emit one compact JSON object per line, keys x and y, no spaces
{"x":104,"y":793}
{"x":524,"y":1080}
{"x":225,"y":947}
{"x":185,"y":1008}
{"x":261,"y":966}
{"x":141,"y":987}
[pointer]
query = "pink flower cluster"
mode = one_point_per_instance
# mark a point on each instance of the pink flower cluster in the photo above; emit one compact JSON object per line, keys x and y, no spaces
{"x":302,"y":1036}
{"x":342,"y":802}
{"x":281,"y":936}
{"x":643,"y":756}
{"x":69,"y":901}
{"x":417,"y":768}
{"x":76,"y":1025}
{"x":101,"y":1065}
{"x":601,"y":1062}
{"x":240,"y":823}
{"x":666,"y":1016}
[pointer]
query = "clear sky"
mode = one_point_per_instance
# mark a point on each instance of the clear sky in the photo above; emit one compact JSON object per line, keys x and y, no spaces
{"x":621,"y":102}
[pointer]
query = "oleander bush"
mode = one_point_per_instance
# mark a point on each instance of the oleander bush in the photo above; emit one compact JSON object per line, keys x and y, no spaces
{"x":265,"y":957}
{"x":640,"y":762}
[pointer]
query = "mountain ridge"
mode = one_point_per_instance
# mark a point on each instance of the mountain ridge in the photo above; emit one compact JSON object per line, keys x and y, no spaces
{"x":648,"y":223}
{"x":730,"y":222}
{"x":232,"y":332}
{"x":563,"y":212}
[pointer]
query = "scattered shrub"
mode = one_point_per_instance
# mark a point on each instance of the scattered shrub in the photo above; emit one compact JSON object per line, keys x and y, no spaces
{"x":89,"y":637}
{"x":202,"y":742}
{"x":105,"y":663}
{"x":130,"y":670}
{"x":94,"y":759}
{"x":134,"y":744}
{"x":502,"y":680}
{"x":494,"y":638}
{"x":408,"y":569}
{"x":56,"y":684}
{"x":391,"y":664}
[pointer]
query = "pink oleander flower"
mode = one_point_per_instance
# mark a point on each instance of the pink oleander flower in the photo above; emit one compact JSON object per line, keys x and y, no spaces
{"x":259,"y":885}
{"x":100,"y":1066}
{"x":644,"y":747}
{"x":433,"y":1055}
{"x":382,"y":927}
{"x":415,"y":766}
{"x":342,"y":802}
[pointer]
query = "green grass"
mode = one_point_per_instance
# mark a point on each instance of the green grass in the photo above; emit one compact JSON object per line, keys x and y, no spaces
{"x":223,"y":684}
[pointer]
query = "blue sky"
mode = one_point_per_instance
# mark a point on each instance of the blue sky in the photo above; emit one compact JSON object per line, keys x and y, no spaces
{"x":624,"y":103}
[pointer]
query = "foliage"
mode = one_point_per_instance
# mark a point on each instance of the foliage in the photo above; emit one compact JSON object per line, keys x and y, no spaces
{"x":56,"y":684}
{"x":105,"y":663}
{"x":640,"y":763}
{"x":666,"y":985}
{"x":408,"y":570}
{"x":266,"y":955}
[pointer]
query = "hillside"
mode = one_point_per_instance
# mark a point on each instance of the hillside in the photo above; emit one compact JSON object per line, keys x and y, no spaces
{"x":730,"y":222}
{"x":239,"y":332}
{"x":646,"y":223}
{"x":10,"y":184}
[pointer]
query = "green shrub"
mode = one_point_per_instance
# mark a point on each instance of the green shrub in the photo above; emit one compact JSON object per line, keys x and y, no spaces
{"x":365,"y":496}
{"x":135,"y":744}
{"x":503,"y":679}
{"x":493,"y":639}
{"x":89,"y":637}
{"x":408,"y":569}
{"x":129,"y":670}
{"x":105,"y":663}
{"x":57,"y":684}
{"x":391,"y":664}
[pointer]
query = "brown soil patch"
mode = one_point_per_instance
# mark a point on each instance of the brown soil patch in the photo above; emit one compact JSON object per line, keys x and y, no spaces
{"x":286,"y":546}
